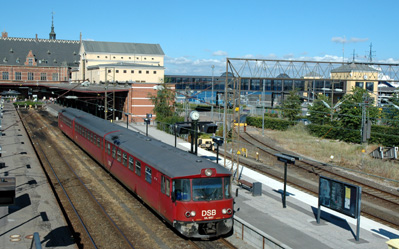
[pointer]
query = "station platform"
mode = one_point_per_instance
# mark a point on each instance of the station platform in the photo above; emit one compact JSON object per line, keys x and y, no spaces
{"x":296,"y":225}
{"x":36,"y":209}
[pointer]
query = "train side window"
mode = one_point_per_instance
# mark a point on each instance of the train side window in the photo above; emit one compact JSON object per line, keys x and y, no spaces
{"x":148,"y":173}
{"x":98,"y":142}
{"x":131,"y":163}
{"x":94,"y":138}
{"x":124,"y":159}
{"x":113,"y":151}
{"x":165,"y":185}
{"x":182,"y":189}
{"x":109,"y":148}
{"x":118,"y":155}
{"x":138,"y":168}
{"x":227,"y":188}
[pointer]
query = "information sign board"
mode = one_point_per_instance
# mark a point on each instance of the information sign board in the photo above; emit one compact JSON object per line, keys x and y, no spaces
{"x":339,"y":196}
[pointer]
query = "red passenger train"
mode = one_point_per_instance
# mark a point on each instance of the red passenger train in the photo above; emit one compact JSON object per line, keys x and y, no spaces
{"x":192,"y":194}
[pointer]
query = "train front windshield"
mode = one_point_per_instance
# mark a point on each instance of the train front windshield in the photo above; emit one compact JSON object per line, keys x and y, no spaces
{"x":202,"y":189}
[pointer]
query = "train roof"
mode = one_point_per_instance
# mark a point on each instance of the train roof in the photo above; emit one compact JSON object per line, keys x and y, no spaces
{"x":167,"y":159}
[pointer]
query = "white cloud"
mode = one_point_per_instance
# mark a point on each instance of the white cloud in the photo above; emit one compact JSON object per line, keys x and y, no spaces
{"x":220,"y":53}
{"x":187,"y":66}
{"x":288,"y":56}
{"x":390,"y":60}
{"x":355,"y":39}
{"x":351,"y":40}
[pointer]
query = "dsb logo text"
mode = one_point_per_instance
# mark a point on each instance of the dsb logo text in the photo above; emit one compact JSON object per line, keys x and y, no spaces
{"x":209,"y":212}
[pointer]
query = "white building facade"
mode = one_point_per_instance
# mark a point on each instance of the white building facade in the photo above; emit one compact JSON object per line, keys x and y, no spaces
{"x":120,"y":62}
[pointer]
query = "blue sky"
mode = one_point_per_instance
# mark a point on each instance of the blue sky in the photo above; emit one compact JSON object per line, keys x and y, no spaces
{"x":198,"y":34}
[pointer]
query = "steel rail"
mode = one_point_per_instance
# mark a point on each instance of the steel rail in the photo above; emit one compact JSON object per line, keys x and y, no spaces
{"x":90,"y":193}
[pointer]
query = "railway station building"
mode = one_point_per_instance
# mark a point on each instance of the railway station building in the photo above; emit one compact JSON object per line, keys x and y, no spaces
{"x":126,"y":72}
{"x":27,"y":60}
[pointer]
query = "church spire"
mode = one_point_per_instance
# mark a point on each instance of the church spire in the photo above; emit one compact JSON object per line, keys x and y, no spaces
{"x":52,"y":33}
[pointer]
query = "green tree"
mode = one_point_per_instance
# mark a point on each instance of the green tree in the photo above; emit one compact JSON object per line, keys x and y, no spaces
{"x":164,"y":102}
{"x":319,"y":112}
{"x":292,"y":106}
{"x":391,"y":113}
{"x":350,"y":112}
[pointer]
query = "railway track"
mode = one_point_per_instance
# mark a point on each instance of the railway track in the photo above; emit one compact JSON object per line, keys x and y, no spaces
{"x":379,"y":203}
{"x":101,"y":213}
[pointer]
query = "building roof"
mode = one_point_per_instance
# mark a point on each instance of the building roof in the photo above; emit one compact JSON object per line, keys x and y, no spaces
{"x":124,"y":65}
{"x":48,"y":53}
{"x":92,"y":88}
{"x":347,"y":68}
{"x":312,"y":74}
{"x":122,"y":47}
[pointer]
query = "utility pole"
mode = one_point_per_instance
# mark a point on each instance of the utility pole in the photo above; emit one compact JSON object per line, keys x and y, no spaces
{"x":106,"y":96}
{"x":332,"y":100}
{"x":365,"y":130}
{"x":213,"y":67}
{"x":263,"y":109}
{"x":225,"y":112}
{"x":187,"y":103}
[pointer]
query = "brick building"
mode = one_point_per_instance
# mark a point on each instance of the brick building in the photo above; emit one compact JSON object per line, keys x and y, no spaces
{"x":28,"y":60}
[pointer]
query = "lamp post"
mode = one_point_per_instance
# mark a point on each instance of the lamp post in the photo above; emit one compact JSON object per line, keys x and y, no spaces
{"x":194,"y":115}
{"x":175,"y":127}
{"x":286,"y":159}
{"x":218,"y":141}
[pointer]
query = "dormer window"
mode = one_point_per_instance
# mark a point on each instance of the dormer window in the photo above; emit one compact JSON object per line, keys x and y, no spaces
{"x":11,"y":51}
{"x":17,"y":60}
{"x":48,"y":52}
{"x":5,"y":60}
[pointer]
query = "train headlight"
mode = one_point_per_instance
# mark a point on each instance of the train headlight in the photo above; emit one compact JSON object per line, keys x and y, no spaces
{"x":229,"y":211}
{"x":189,"y":214}
{"x":224,"y":211}
{"x":208,"y":172}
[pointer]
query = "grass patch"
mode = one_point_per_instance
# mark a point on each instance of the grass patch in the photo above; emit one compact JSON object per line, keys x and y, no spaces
{"x":343,"y":154}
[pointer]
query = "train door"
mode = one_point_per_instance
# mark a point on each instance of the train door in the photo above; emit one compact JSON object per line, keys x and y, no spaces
{"x":165,"y":204}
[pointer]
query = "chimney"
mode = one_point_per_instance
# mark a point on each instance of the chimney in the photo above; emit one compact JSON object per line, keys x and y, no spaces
{"x":36,"y":37}
{"x":80,"y":37}
{"x":4,"y":34}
